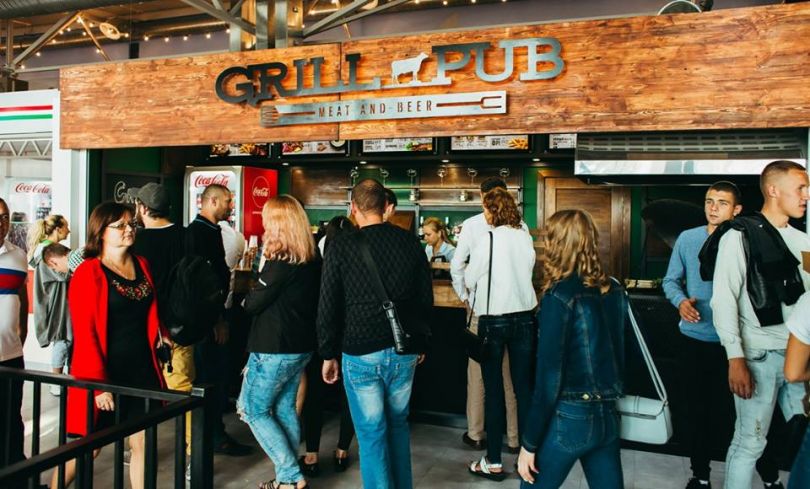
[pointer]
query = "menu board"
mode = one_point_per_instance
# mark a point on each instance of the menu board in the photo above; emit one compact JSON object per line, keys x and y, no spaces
{"x":397,"y":145}
{"x":503,"y":142}
{"x":562,"y":141}
{"x":313,"y":147}
{"x":245,"y":149}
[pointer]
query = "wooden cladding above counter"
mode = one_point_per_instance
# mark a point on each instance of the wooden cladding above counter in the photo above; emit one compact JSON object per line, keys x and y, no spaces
{"x":733,"y":68}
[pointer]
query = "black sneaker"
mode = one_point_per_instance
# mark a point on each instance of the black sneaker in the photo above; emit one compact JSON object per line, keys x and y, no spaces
{"x":474,"y":444}
{"x":694,"y":483}
{"x":773,"y":485}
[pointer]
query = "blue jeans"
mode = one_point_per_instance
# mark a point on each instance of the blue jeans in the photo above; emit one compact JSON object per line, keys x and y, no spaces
{"x":267,"y":405}
{"x":378,"y":388}
{"x":754,"y":415}
{"x":584,"y":431}
{"x":800,"y":473}
{"x":518,"y":333}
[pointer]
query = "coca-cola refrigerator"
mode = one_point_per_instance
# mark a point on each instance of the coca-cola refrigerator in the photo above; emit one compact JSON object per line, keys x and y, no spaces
{"x":250,"y":188}
{"x":28,"y":200}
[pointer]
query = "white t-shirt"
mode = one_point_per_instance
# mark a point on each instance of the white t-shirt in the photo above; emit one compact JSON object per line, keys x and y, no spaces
{"x":798,"y":322}
{"x":13,"y":273}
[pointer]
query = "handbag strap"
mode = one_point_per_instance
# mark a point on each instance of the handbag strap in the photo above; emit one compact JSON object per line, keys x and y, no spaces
{"x":489,"y":273}
{"x":645,"y":353}
{"x":374,"y":272}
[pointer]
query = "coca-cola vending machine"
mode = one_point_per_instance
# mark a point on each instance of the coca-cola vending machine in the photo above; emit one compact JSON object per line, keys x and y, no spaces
{"x":250,"y":188}
{"x":28,"y":200}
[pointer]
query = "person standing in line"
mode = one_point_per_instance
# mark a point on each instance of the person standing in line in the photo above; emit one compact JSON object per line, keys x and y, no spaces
{"x":51,"y":315}
{"x":580,"y":363}
{"x":210,"y":354}
{"x":758,"y":260}
{"x":351,"y":319}
{"x":13,"y":331}
{"x":703,"y":363}
{"x":500,"y":271}
{"x":473,"y":230}
{"x":116,"y":334}
{"x":282,"y":337}
{"x":317,"y":389}
{"x":162,"y":243}
{"x":797,"y":369}
{"x":390,"y":204}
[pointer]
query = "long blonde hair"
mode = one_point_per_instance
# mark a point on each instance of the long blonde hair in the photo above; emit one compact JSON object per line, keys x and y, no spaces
{"x":41,"y":229}
{"x":572,"y":246}
{"x":440,"y":228}
{"x":287,"y":236}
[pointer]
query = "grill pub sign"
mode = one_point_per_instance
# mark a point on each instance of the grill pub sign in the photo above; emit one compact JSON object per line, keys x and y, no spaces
{"x":256,"y":83}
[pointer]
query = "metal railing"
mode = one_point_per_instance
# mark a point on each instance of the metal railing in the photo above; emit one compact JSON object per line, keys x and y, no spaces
{"x":160,"y":406}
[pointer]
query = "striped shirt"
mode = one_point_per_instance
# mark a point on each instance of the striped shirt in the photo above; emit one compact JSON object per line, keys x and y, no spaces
{"x":13,"y":272}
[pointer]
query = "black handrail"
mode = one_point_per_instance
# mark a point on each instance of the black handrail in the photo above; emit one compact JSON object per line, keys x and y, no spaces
{"x":198,"y":401}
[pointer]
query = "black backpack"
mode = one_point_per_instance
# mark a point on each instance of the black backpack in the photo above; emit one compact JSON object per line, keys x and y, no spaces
{"x":194,"y":300}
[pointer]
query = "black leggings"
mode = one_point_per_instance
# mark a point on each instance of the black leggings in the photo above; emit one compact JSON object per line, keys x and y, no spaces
{"x":317,"y":393}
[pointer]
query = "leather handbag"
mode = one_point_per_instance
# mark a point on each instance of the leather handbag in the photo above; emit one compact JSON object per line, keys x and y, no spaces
{"x":476,"y":346}
{"x":643,"y":419}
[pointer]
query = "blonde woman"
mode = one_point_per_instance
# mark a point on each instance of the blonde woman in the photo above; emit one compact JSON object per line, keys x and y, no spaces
{"x":438,"y":242}
{"x":580,"y":363}
{"x":51,"y":314}
{"x":282,"y":337}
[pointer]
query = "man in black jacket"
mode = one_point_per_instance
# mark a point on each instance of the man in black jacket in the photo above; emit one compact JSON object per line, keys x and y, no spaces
{"x":351,"y":319}
{"x":211,"y":355}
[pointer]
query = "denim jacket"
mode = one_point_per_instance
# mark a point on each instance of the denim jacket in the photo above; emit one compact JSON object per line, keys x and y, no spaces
{"x":580,"y":352}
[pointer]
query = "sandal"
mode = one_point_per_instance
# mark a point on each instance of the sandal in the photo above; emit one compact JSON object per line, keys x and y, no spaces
{"x":482,"y":468}
{"x":272,"y":484}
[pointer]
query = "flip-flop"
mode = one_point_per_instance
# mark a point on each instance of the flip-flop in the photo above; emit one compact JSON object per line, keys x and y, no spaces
{"x":483,"y":470}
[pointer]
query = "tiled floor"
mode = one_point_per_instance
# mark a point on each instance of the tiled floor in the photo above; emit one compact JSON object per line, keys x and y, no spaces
{"x":439,"y":461}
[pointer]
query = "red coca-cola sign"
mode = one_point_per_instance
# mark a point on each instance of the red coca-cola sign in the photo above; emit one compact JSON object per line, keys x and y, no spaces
{"x":32,"y":188}
{"x":205,"y":180}
{"x":260,"y":191}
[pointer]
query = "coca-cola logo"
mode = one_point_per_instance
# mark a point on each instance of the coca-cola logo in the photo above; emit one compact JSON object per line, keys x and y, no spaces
{"x":260,"y":191}
{"x":32,"y":188}
{"x":206,"y":180}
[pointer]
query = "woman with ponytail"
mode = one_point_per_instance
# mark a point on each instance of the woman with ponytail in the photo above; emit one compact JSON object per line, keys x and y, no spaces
{"x":580,"y":363}
{"x":51,"y":315}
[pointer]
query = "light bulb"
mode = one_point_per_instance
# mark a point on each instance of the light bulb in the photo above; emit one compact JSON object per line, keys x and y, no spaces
{"x":185,"y":38}
{"x":146,"y":38}
{"x":208,"y":36}
{"x":39,"y":54}
{"x":165,"y":39}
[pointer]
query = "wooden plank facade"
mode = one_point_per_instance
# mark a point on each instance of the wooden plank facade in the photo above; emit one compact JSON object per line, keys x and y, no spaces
{"x":735,"y":68}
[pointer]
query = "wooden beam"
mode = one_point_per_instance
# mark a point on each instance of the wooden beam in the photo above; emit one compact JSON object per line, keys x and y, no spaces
{"x":209,"y":9}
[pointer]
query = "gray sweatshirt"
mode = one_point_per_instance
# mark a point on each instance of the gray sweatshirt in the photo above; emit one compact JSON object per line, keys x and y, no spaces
{"x":51,"y":312}
{"x":734,"y":316}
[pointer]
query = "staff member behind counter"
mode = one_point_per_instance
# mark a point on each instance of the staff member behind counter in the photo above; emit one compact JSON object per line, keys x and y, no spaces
{"x":439,"y":244}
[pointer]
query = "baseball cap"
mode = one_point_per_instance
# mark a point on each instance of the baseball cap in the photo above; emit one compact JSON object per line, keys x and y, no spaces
{"x":154,"y":196}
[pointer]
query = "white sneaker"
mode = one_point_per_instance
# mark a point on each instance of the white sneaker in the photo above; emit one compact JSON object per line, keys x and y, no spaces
{"x":188,"y":472}
{"x":55,"y":390}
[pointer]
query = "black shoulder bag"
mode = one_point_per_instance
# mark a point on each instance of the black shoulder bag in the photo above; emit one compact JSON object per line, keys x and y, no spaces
{"x":400,"y":336}
{"x":477,"y":347}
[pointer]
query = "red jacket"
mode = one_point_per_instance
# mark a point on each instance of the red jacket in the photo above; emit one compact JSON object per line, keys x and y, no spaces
{"x":87,"y":298}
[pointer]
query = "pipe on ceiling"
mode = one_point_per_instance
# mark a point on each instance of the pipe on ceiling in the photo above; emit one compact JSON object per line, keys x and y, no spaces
{"x":12,"y":9}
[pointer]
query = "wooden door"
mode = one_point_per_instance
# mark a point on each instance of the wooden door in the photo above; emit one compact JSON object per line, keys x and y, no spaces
{"x":610,"y":209}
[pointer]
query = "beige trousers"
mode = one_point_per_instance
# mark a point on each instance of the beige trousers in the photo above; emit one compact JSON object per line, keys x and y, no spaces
{"x":181,"y":379}
{"x":475,"y":399}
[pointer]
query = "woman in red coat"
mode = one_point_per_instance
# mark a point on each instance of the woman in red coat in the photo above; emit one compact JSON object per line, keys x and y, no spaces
{"x":115,"y":328}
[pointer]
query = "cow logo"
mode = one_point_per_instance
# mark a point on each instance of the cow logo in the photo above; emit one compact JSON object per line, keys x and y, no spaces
{"x":408,"y":66}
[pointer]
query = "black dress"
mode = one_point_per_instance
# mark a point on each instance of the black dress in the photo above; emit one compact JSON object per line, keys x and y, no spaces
{"x":129,"y":354}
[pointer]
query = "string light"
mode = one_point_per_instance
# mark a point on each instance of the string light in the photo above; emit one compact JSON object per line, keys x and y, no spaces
{"x":146,"y":38}
{"x":228,"y":30}
{"x":98,"y":50}
{"x":81,"y":21}
{"x":68,"y":29}
{"x":92,"y":24}
{"x":61,"y":32}
{"x":126,"y":34}
{"x":185,"y":38}
{"x":165,"y":39}
{"x":22,"y":67}
{"x":444,"y":3}
{"x":416,"y":2}
{"x":208,"y":36}
{"x":39,"y":54}
{"x":84,"y":33}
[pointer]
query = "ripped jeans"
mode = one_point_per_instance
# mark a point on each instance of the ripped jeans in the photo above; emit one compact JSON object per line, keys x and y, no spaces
{"x":754,"y":415}
{"x":267,"y":404}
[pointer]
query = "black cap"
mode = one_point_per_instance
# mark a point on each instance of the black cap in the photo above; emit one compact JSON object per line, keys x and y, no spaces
{"x":154,"y":197}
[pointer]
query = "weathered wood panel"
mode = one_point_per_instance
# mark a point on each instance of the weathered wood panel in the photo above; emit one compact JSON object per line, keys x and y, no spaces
{"x":172,"y":102}
{"x":734,"y":68}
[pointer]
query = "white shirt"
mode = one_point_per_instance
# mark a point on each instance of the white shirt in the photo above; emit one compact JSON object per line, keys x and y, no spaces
{"x":13,"y":273}
{"x":512,"y":265}
{"x":734,"y":317}
{"x":446,"y":250}
{"x":798,"y":322}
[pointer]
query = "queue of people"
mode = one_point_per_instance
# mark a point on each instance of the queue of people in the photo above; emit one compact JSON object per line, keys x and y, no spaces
{"x":353,"y":311}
